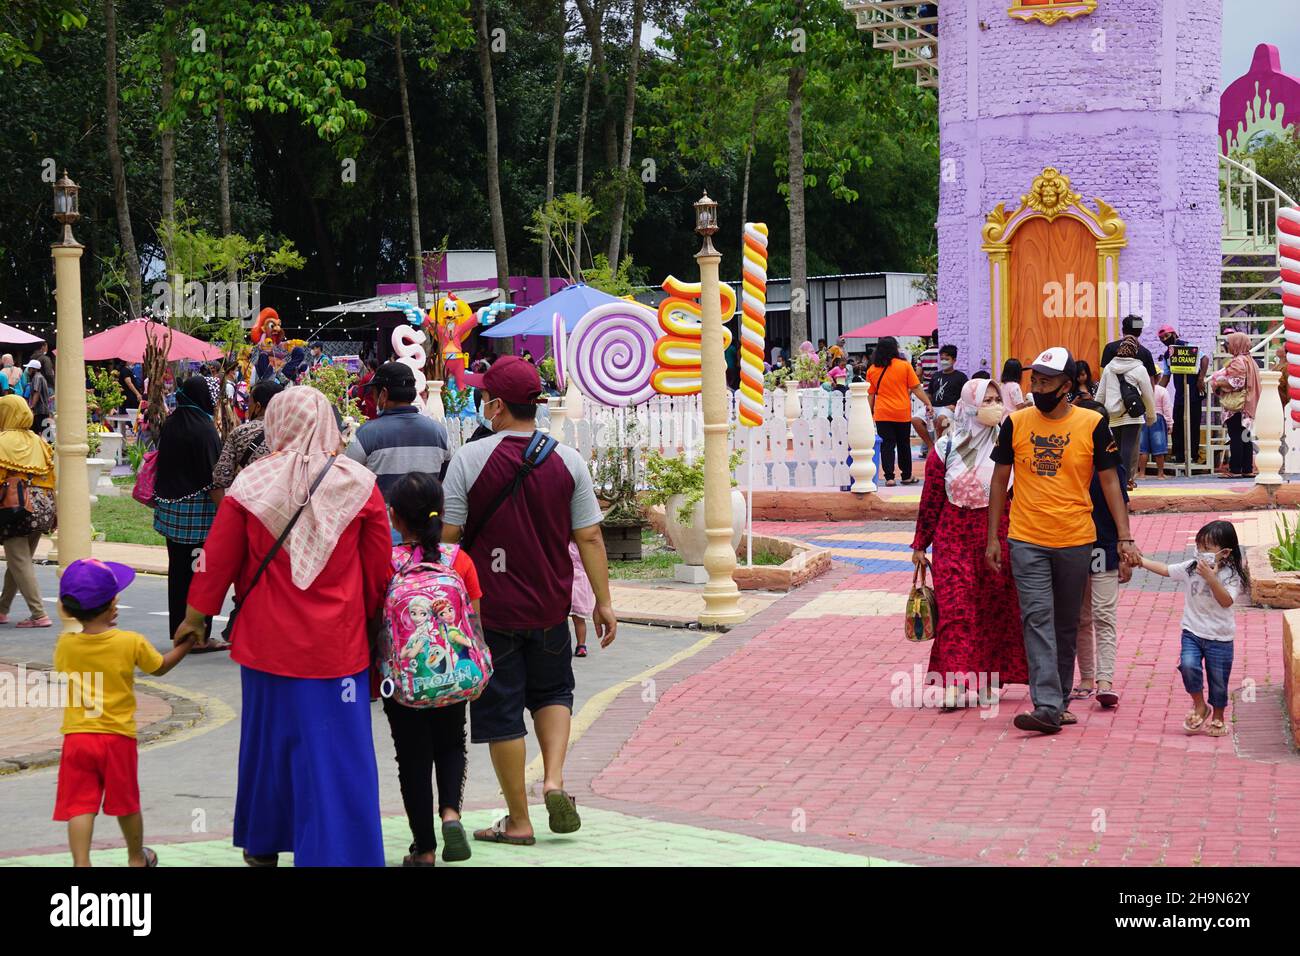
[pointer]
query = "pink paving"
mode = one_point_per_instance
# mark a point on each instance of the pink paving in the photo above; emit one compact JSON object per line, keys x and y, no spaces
{"x":795,"y":715}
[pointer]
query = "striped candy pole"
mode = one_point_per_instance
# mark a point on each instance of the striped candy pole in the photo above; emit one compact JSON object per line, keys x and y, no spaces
{"x":753,"y":324}
{"x":1288,"y":262}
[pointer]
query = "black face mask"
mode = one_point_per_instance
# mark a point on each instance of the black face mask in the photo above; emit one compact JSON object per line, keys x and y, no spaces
{"x":1046,"y":402}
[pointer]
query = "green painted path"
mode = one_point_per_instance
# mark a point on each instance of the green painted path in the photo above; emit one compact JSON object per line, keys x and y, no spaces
{"x":607,"y":838}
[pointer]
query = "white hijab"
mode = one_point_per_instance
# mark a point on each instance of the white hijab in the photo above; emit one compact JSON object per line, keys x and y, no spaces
{"x":967,"y":449}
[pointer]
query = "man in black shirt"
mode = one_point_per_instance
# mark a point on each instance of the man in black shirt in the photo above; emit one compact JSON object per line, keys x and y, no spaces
{"x":945,"y":388}
{"x":1131,"y":326}
{"x":1186,"y":387}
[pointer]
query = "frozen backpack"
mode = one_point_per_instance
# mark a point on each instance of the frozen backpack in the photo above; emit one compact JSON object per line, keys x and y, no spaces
{"x":431,"y":648}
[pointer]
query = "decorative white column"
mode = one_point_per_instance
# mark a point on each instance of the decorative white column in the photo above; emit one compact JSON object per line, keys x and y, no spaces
{"x":434,"y":407}
{"x":1268,"y":430}
{"x":791,"y":407}
{"x":862,"y":439}
{"x":72,"y":497}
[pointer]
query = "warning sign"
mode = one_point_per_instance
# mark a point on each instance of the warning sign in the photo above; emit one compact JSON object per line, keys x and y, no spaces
{"x":1183,"y":360}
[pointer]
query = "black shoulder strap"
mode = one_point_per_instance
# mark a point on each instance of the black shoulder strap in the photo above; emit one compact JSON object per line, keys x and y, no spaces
{"x":539,"y":449}
{"x":279,"y":543}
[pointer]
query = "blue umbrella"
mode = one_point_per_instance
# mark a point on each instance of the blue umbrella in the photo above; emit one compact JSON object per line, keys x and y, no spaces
{"x":572,"y":302}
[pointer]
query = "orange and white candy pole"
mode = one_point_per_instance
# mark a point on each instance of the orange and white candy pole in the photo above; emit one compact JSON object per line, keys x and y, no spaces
{"x":753,"y":324}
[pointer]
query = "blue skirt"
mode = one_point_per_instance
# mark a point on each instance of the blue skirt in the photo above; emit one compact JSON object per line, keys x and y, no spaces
{"x":308,"y":781}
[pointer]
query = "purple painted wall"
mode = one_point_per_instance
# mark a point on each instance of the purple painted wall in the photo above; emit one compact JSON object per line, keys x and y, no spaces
{"x":1122,"y":101}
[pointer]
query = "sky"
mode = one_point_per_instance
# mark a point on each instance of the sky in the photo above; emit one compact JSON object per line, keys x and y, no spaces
{"x":1247,"y":23}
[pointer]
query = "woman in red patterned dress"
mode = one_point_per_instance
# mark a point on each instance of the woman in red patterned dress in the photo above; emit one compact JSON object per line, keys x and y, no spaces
{"x":978,"y":644}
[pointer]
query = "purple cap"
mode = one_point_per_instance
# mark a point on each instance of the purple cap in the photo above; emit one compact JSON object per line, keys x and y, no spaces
{"x":93,"y":583}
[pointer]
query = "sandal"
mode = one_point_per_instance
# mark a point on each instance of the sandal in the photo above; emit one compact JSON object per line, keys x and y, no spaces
{"x":889,"y":482}
{"x":497,"y":834}
{"x":1068,"y":718}
{"x":1108,"y":698}
{"x":580,"y":650}
{"x":1217,"y":729}
{"x":909,"y":481}
{"x":1082,"y":693}
{"x":150,"y":857}
{"x":410,"y":859}
{"x":36,"y":622}
{"x":455,"y":847}
{"x":562,"y":810}
{"x":1194,"y":721}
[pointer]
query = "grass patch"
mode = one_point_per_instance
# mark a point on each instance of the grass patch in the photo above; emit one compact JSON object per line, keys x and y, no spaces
{"x":658,"y":559}
{"x":124,"y":520}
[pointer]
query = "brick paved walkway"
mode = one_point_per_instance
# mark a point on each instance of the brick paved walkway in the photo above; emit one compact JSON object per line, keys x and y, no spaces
{"x":792,"y":718}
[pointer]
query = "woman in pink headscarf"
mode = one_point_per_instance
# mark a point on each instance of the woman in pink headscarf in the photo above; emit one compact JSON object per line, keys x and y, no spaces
{"x":1237,"y":385}
{"x":308,"y":782}
{"x":979,"y":634}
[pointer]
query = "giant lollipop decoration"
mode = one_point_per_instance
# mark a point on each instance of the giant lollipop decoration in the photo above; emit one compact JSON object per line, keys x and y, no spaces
{"x":611,"y":353}
{"x":753,"y":324}
{"x":560,"y":349}
{"x":408,"y":342}
{"x":677,"y":352}
{"x":1288,"y":261}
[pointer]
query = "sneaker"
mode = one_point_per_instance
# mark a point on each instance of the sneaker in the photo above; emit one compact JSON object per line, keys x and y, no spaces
{"x":1041,"y":721}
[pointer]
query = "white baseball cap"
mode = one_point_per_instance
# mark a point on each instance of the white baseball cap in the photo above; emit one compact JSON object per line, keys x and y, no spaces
{"x":1054,"y":361}
{"x":34,"y":363}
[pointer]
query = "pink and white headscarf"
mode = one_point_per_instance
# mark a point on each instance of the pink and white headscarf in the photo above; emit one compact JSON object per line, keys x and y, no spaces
{"x":302,"y":435}
{"x":967,"y":449}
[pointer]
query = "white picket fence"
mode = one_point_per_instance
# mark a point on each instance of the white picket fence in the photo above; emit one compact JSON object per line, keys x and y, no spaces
{"x":809,"y":452}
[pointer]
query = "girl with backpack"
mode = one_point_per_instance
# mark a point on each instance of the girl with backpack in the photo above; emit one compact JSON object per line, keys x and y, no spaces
{"x":432,"y":584}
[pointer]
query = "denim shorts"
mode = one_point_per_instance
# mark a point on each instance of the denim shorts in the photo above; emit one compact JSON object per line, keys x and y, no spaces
{"x":1154,"y":439}
{"x":530,"y":669}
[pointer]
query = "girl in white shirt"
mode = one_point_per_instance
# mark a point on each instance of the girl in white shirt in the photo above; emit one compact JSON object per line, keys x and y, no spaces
{"x":1211,"y":584}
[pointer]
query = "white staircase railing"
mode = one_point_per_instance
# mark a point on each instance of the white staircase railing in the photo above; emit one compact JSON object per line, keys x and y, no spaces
{"x":908,"y":30}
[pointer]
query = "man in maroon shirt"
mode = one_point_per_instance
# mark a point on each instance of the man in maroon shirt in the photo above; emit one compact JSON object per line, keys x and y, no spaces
{"x":521,"y":551}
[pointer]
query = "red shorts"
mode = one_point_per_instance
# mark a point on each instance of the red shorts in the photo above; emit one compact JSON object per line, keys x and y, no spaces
{"x":97,"y":769}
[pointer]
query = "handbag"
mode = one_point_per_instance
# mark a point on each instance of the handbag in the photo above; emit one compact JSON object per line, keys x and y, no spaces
{"x":279,"y":543}
{"x":922,"y":614}
{"x":146,"y":479}
{"x":16,"y":506}
{"x":1233,"y":401}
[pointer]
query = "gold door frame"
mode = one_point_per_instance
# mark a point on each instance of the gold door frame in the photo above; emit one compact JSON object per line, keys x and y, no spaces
{"x":1050,"y":196}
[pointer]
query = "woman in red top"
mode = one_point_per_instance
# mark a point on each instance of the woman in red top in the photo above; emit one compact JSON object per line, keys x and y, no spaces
{"x":308,"y":781}
{"x":429,"y":741}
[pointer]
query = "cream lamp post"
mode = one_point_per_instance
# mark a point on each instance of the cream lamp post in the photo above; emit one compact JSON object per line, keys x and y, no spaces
{"x":72,"y":493}
{"x":721,"y":596}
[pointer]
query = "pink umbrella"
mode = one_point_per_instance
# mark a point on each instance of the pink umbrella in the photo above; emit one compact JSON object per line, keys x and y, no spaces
{"x":916,"y":320}
{"x":12,"y":336}
{"x":127,"y":342}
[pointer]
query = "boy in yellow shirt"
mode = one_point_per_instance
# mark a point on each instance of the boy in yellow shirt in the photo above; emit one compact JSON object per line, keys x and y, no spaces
{"x":99,"y":761}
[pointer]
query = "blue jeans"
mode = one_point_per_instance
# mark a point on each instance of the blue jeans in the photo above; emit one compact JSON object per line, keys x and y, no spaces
{"x":1217,"y":656}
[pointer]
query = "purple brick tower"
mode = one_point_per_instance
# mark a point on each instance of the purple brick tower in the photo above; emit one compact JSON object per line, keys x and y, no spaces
{"x":1122,"y":101}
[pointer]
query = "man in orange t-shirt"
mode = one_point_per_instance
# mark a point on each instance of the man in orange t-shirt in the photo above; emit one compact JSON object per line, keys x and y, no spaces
{"x":1054,"y":448}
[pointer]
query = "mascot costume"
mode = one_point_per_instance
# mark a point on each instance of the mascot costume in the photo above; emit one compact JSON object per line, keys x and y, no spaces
{"x":268,"y":336}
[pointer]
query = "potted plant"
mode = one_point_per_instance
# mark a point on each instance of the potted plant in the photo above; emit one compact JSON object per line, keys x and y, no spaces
{"x":615,"y":478}
{"x":678,"y":485}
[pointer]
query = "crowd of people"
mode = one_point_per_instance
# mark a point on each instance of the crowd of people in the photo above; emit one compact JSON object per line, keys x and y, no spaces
{"x":318,"y":537}
{"x":1025,"y":513}
{"x":377,"y":565}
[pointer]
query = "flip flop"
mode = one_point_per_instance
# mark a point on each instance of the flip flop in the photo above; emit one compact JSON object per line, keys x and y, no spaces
{"x":1193,"y":722}
{"x":1082,"y":693}
{"x":35,"y":622}
{"x":1068,"y":718}
{"x":214,"y":645}
{"x":455,"y":847}
{"x":497,"y":834}
{"x":562,"y":810}
{"x":1217,"y":729}
{"x":150,"y":857}
{"x":1108,"y":698}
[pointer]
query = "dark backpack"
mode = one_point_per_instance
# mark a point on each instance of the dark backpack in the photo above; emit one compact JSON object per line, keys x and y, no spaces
{"x":1131,"y":395}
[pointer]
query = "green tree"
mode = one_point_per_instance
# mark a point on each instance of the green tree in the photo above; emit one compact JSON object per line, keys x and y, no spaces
{"x":25,"y":25}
